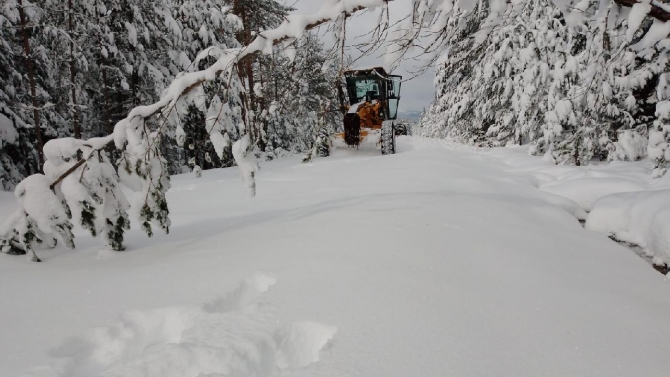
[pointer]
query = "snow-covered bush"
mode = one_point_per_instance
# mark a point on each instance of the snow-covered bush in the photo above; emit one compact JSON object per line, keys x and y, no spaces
{"x":631,"y":146}
{"x":42,"y":219}
{"x":95,"y":192}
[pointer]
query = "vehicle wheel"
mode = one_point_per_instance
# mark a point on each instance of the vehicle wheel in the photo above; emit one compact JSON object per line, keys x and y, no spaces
{"x":401,"y":130}
{"x":388,"y":138}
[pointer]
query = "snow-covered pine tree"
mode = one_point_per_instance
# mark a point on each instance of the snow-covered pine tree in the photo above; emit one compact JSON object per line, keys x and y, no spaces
{"x":204,"y":24}
{"x":659,"y":135}
{"x":511,"y":81}
{"x":55,"y":59}
{"x":574,"y":78}
{"x":431,"y":122}
{"x":454,"y":75}
{"x":256,"y":16}
{"x":607,"y":82}
{"x":544,"y":34}
{"x":95,"y":192}
{"x":583,"y":99}
{"x":18,"y":155}
{"x":25,"y":17}
{"x":646,"y":79}
{"x":29,"y":87}
{"x":42,"y":220}
{"x":302,"y":94}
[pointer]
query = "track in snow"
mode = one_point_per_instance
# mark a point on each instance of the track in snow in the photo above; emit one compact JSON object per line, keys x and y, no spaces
{"x":234,"y":335}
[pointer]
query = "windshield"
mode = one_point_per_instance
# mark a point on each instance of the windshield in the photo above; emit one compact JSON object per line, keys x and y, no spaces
{"x":361,"y":87}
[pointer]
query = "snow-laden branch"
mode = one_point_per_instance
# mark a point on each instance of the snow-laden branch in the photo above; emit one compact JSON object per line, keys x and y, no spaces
{"x":77,"y":173}
{"x":657,"y":9}
{"x":293,"y":27}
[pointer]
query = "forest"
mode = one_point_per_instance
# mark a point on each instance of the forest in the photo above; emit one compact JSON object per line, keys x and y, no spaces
{"x":75,"y":68}
{"x":589,"y":84}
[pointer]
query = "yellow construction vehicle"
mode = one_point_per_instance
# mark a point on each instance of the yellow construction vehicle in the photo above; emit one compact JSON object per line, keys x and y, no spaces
{"x":370,"y":105}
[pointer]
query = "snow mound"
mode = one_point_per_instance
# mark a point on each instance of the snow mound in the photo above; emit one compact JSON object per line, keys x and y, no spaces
{"x":560,"y":201}
{"x":246,"y":292}
{"x":642,"y":218}
{"x":236,"y":335}
{"x":300,"y":343}
{"x":586,"y":191}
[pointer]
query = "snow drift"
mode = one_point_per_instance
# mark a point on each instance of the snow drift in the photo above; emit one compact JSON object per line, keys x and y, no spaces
{"x":642,"y":218}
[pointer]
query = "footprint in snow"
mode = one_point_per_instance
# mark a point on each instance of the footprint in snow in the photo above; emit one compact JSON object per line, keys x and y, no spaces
{"x":230,"y":336}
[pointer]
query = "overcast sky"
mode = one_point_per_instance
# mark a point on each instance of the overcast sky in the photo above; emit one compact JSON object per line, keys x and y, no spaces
{"x":416,"y":93}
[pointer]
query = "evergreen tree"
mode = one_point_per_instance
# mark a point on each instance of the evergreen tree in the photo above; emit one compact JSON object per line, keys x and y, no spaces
{"x":576,"y":82}
{"x":301,"y":90}
{"x":29,"y":117}
{"x":256,"y":16}
{"x":454,"y":76}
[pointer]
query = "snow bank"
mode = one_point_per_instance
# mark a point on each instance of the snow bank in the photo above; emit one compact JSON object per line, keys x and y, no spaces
{"x":568,"y":205}
{"x":642,"y":218}
{"x":585,"y":191}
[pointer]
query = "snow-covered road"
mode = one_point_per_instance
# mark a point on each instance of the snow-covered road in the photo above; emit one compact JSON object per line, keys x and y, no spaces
{"x":436,"y":261}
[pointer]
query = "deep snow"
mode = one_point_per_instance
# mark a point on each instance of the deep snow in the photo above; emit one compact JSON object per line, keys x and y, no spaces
{"x":642,"y":218}
{"x":437,"y":261}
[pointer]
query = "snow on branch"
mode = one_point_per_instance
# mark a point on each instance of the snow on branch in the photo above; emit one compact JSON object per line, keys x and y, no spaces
{"x":292,"y":28}
{"x":78,"y":174}
{"x":657,"y":9}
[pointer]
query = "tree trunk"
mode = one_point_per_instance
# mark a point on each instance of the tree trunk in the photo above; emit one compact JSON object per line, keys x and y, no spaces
{"x":263,"y":124}
{"x":106,"y":121}
{"x":135,"y":82}
{"x":109,"y":128}
{"x":73,"y":76}
{"x":31,"y":79}
{"x":246,"y":68}
{"x":249,"y":70}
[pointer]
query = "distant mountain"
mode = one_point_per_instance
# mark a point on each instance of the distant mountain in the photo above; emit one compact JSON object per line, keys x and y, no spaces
{"x":410,"y":115}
